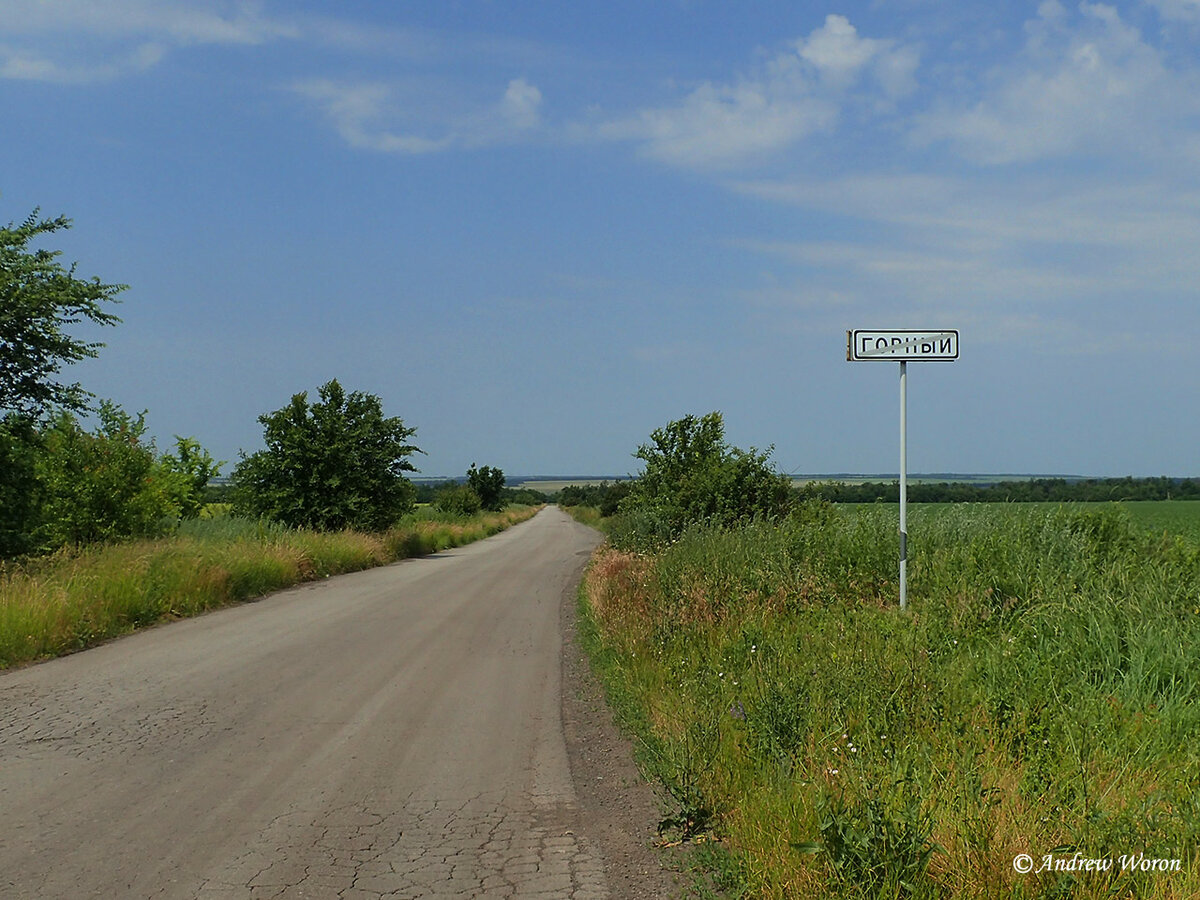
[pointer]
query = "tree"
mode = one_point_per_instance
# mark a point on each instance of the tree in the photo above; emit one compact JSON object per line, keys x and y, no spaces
{"x":488,"y":484}
{"x":39,"y":299}
{"x":337,"y":463}
{"x":693,"y":475}
{"x":196,"y":468}
{"x":104,"y":485}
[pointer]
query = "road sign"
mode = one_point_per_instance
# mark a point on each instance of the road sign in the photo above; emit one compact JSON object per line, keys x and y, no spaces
{"x":901,"y":345}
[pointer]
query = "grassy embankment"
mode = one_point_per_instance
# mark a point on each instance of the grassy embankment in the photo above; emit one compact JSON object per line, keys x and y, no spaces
{"x":1041,"y":696}
{"x":76,"y":599}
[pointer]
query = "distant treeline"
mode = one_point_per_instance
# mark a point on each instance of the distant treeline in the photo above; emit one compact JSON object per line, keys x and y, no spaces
{"x":1057,"y":490}
{"x":608,"y":495}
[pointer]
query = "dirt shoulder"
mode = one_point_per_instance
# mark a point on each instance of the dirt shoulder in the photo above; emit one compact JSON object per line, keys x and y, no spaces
{"x":620,"y":808}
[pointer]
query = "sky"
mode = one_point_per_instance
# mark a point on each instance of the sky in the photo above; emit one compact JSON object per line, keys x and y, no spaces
{"x":540,"y":230}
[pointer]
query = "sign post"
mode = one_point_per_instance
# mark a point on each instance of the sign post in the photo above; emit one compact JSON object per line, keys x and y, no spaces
{"x":903,"y":346}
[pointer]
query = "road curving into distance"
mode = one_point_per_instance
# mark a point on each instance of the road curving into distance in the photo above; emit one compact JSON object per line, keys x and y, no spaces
{"x":395,"y":732}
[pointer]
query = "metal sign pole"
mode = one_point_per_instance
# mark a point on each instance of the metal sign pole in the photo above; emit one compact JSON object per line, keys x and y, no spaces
{"x":903,"y":345}
{"x":903,"y":484}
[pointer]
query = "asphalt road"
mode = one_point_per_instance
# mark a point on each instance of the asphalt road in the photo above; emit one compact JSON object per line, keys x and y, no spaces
{"x":392,"y":733}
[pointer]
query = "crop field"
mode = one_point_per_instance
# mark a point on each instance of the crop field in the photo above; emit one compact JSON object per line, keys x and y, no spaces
{"x":1029,"y":728}
{"x":1175,"y":517}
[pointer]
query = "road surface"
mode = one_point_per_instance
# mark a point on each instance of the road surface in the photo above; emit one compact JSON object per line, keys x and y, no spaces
{"x":391,"y":733}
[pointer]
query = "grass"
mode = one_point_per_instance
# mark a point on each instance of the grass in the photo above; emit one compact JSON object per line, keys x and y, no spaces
{"x":1041,"y":696}
{"x":76,"y":599}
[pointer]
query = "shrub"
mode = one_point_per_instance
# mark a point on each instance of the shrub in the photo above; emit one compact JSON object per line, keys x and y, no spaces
{"x":104,"y":485}
{"x":692,"y":475}
{"x":458,"y":500}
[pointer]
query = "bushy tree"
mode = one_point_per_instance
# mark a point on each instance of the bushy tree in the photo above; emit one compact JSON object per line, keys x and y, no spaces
{"x":195,"y":468}
{"x":39,"y":299}
{"x":21,"y":491}
{"x":458,"y":500}
{"x":337,"y":463}
{"x":488,"y":484}
{"x":693,"y":475}
{"x":104,"y":485}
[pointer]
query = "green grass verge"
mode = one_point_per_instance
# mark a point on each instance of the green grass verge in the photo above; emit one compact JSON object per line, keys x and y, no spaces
{"x":76,"y":599}
{"x":1041,"y":697}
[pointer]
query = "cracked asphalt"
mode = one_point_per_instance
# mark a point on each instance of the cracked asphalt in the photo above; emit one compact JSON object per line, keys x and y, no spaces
{"x":391,"y":733}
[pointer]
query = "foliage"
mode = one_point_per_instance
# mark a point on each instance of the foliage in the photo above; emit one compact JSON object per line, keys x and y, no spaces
{"x":605,"y":496}
{"x":458,"y":500}
{"x":21,"y":493}
{"x":39,"y":299}
{"x":1041,"y":692}
{"x":196,"y":469}
{"x":488,"y":485}
{"x":692,"y":475}
{"x":337,"y":463}
{"x":104,"y":485}
{"x":524,"y":496}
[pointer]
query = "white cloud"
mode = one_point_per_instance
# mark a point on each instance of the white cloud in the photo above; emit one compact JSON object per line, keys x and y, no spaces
{"x":798,"y":92}
{"x":182,"y":23}
{"x":842,"y":57}
{"x":370,"y":116}
{"x":120,"y":37}
{"x":1087,"y":84}
{"x":521,"y":103}
{"x":1187,"y":11}
{"x":31,"y":65}
{"x":1032,"y":250}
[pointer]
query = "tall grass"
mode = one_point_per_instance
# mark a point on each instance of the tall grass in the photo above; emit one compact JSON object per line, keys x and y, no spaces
{"x":75,"y":599}
{"x":1042,"y":693}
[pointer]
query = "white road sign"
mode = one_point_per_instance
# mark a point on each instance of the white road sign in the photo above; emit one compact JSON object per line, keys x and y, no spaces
{"x":902,"y":345}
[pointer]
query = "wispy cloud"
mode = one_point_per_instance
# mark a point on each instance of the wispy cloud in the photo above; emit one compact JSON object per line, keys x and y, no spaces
{"x":1085,"y":84}
{"x":80,"y":42}
{"x":183,"y":23}
{"x":30,"y":65}
{"x":798,"y":92}
{"x":1006,"y":256}
{"x":370,"y":116}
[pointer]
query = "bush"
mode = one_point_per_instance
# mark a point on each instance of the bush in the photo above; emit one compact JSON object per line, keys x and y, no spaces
{"x":692,"y":475}
{"x":459,"y":500}
{"x":104,"y":485}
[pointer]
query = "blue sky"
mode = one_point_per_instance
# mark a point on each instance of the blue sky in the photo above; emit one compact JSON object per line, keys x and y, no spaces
{"x":539,"y":230}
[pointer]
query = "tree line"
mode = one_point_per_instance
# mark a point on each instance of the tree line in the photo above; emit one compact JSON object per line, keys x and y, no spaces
{"x":1033,"y":490}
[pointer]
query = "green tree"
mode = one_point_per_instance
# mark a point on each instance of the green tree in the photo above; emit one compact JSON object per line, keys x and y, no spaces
{"x":693,"y":475}
{"x":337,"y":463}
{"x":195,"y":468}
{"x":103,"y":485}
{"x":458,"y":500}
{"x":39,"y":299}
{"x":488,"y":484}
{"x":21,"y":490}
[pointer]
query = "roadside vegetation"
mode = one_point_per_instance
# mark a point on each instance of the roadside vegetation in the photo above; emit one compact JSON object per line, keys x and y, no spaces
{"x":101,"y":533}
{"x":77,"y":598}
{"x":1039,"y":697}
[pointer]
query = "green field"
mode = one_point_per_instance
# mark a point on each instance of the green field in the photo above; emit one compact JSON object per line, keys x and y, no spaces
{"x":1176,"y":517}
{"x":1040,"y":696}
